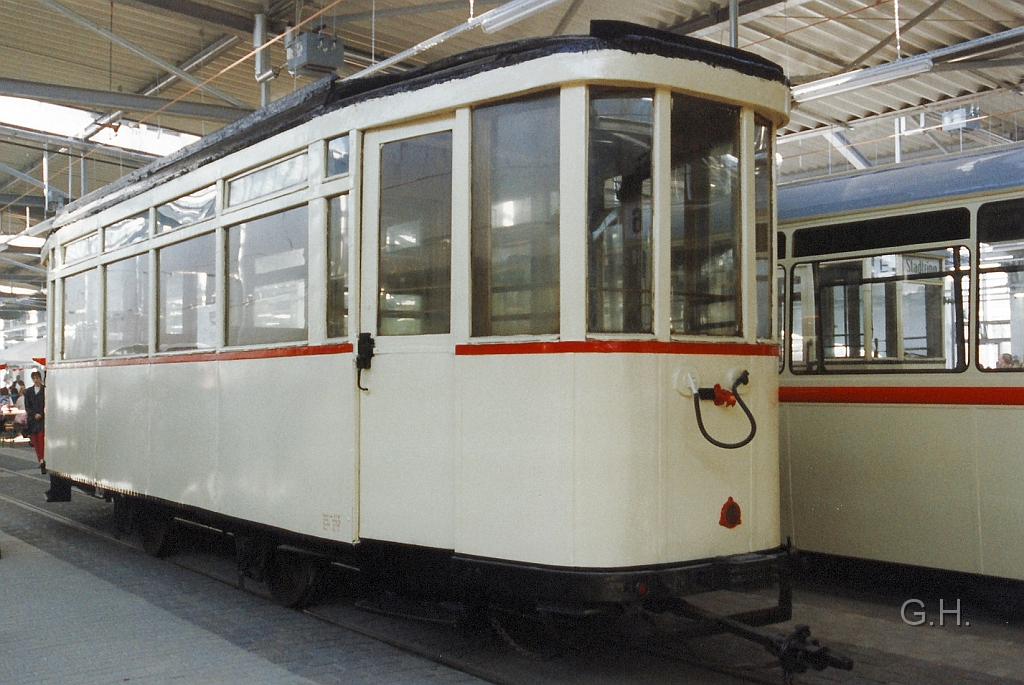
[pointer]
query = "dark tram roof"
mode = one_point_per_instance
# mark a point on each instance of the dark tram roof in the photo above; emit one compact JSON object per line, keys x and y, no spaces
{"x":902,"y":185}
{"x":331,"y":93}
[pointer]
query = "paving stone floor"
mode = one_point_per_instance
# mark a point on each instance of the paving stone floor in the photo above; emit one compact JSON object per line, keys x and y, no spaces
{"x":77,"y":609}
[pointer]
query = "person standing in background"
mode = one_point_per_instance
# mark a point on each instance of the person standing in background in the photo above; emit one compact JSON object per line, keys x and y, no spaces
{"x":35,"y":407}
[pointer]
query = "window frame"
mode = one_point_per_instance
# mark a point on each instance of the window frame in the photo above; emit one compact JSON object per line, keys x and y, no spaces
{"x":822,"y":369}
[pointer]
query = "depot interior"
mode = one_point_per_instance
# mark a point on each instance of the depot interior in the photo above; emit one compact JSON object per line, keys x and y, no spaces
{"x":90,"y":90}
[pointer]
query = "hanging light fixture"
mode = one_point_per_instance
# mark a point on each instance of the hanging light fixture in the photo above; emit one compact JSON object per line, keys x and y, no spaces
{"x":511,"y":12}
{"x":873,"y":76}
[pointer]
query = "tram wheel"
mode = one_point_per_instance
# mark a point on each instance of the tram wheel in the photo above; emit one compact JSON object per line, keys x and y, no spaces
{"x":156,"y":531}
{"x":292,"y":579}
{"x":124,"y":515}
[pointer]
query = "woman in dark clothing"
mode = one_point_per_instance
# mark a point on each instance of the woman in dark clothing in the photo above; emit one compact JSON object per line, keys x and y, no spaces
{"x":35,"y":407}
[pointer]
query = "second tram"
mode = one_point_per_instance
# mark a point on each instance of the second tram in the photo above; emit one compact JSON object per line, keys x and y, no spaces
{"x":902,"y":396}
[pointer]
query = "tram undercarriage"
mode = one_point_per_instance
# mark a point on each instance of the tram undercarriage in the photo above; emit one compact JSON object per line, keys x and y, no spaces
{"x":442,"y":586}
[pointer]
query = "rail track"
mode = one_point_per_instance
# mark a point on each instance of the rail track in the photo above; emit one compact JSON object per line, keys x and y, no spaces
{"x":498,"y":648}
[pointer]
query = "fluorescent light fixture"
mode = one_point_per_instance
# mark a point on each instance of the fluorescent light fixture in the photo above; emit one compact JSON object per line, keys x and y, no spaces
{"x":873,"y":76}
{"x":498,"y":18}
{"x":25,"y":241}
{"x":511,"y":12}
{"x":16,"y":290}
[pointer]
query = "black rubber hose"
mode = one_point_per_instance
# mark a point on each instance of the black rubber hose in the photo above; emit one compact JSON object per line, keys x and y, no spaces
{"x":742,"y":379}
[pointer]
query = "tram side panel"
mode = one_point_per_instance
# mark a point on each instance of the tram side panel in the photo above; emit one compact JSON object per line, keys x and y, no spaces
{"x":595,"y":460}
{"x":887,"y":482}
{"x":998,"y":434}
{"x":218,"y":436}
{"x":71,"y":440}
{"x":620,"y":509}
{"x":286,"y":456}
{"x":649,"y":487}
{"x":183,"y":432}
{"x":407,"y":450}
{"x":516,"y":468}
{"x":124,"y":420}
{"x":699,"y":478}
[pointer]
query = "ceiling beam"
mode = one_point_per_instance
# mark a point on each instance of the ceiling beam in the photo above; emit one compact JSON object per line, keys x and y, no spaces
{"x":201,"y":58}
{"x":23,"y":265}
{"x":328,"y":19}
{"x":228,"y":20}
{"x":929,"y":109}
{"x":924,"y":14}
{"x":972,"y":64}
{"x":207,"y":54}
{"x":74,"y":145}
{"x":196,"y":10}
{"x":145,"y":54}
{"x":719,"y":16}
{"x":803,"y":46}
{"x":11,"y":171}
{"x":105,"y":99}
{"x":567,"y":17}
{"x":852,"y":155}
{"x":21,"y":201}
{"x":921,"y":63}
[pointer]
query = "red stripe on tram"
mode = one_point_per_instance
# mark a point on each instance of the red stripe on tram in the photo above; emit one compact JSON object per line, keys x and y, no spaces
{"x":267,"y":353}
{"x":619,"y":347}
{"x":1013,"y":396}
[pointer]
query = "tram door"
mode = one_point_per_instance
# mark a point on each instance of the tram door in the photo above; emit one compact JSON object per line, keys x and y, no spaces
{"x":406,"y":413}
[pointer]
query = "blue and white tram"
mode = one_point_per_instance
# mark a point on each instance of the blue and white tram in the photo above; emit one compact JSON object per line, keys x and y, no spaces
{"x":463,"y":317}
{"x":902,"y":398}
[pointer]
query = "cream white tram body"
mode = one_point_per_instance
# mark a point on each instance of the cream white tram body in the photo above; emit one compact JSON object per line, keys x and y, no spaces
{"x":901,"y":425}
{"x":536,"y":321}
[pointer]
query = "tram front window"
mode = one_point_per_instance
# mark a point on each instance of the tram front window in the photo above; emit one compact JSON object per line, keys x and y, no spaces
{"x":1001,"y":285}
{"x":619,"y":211}
{"x":705,"y":218}
{"x":763,"y":172}
{"x":515,"y":218}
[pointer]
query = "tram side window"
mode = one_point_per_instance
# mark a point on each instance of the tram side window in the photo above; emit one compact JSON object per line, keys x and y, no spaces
{"x":126,"y":232}
{"x":337,"y":156}
{"x":269,"y":179}
{"x":187,"y":286}
{"x":803,"y":353}
{"x":1001,"y":285}
{"x":127,"y":309}
{"x":763,"y":169}
{"x":780,"y":307}
{"x":891,"y":312}
{"x":620,"y":246}
{"x":267,"y":279}
{"x":515,"y":218}
{"x":338,"y":247}
{"x":191,"y":209}
{"x":81,"y":339}
{"x":705,"y":218}
{"x":82,"y":248}
{"x":415,"y":259}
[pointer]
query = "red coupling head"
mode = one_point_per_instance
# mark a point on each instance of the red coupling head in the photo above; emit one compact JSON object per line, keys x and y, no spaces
{"x":723,"y":396}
